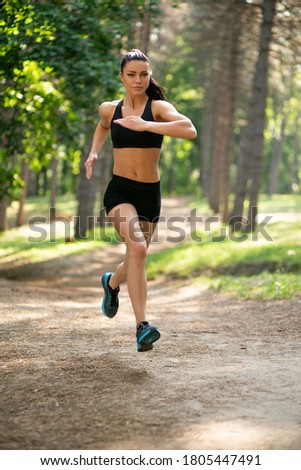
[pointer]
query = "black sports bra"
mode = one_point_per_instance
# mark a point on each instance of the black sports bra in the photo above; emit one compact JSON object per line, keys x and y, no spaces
{"x":126,"y":138}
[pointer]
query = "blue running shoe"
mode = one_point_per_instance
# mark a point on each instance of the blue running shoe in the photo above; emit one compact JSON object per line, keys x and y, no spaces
{"x":146,"y":336}
{"x":110,"y":301}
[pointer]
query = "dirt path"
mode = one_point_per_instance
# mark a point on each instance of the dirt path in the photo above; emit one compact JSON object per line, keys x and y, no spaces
{"x":225,"y":374}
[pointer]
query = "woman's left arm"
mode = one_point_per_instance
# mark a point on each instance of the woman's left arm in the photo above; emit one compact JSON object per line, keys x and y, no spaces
{"x":168,"y":122}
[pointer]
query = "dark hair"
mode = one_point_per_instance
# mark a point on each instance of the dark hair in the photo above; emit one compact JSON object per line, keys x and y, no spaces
{"x":154,"y":91}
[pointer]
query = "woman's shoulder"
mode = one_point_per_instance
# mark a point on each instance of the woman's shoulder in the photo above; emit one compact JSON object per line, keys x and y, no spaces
{"x":162,"y":104}
{"x":106,"y":110}
{"x":107,"y":106}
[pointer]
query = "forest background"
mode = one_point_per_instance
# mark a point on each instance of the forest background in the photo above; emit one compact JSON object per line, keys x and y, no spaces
{"x":232,"y":66}
{"x":226,"y":372}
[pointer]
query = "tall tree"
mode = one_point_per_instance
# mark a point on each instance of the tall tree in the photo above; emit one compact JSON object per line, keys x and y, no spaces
{"x":229,"y":30}
{"x":70,"y":49}
{"x":251,"y":155}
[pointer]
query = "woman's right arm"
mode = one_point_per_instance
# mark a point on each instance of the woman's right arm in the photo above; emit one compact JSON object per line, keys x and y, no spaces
{"x":99,"y":138}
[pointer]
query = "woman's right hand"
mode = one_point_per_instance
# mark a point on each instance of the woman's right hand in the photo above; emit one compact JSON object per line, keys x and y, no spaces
{"x":89,"y":163}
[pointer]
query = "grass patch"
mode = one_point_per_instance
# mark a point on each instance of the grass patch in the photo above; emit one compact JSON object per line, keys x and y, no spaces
{"x":268,"y":286}
{"x":279,"y":203}
{"x":256,"y":267}
{"x":42,"y":241}
{"x":39,"y":206}
{"x":253,"y":268}
{"x":16,"y":249}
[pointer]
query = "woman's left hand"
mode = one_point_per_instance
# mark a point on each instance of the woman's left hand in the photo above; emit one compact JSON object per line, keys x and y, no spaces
{"x":135,"y":123}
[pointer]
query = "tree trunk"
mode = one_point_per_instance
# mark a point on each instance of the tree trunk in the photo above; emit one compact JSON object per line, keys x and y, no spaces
{"x":25,"y":178}
{"x":251,"y":156}
{"x":146,"y":30}
{"x":33,"y":184}
{"x":295,"y":166}
{"x":172,"y":179}
{"x":260,"y":97}
{"x":207,"y":129}
{"x":53,"y":185}
{"x":44,"y":180}
{"x":106,"y":167}
{"x":64,"y":184}
{"x":86,"y":194}
{"x":275,"y":161}
{"x":222,"y":145}
{"x":3,"y":221}
{"x":7,"y":123}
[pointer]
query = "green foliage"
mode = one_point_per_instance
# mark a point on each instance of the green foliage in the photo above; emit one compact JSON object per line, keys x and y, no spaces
{"x":283,"y":128}
{"x":180,"y":158}
{"x":75,"y":39}
{"x":10,"y":182}
{"x":59,"y":61}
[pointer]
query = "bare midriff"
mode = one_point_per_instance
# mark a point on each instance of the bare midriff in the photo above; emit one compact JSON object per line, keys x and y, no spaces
{"x":137,"y":164}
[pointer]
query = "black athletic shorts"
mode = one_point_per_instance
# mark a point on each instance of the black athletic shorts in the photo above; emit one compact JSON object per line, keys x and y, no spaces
{"x":145,"y":197}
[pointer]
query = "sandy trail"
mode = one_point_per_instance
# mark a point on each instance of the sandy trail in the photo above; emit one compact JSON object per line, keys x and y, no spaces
{"x":225,"y":374}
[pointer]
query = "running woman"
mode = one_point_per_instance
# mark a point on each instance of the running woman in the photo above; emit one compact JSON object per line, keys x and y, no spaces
{"x":132,"y":199}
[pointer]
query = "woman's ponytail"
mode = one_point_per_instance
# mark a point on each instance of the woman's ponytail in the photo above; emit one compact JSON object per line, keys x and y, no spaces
{"x":155,"y":91}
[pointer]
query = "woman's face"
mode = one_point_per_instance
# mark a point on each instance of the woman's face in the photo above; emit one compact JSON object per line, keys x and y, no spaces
{"x":136,"y":76}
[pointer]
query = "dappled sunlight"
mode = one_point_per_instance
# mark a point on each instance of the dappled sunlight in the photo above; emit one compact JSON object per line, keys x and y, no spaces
{"x":239,"y":434}
{"x":180,"y":293}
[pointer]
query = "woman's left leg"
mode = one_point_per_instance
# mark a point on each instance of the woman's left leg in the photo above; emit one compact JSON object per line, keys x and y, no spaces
{"x":133,"y":271}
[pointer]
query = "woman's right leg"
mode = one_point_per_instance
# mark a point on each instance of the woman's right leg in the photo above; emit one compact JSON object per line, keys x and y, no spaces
{"x":132,"y":270}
